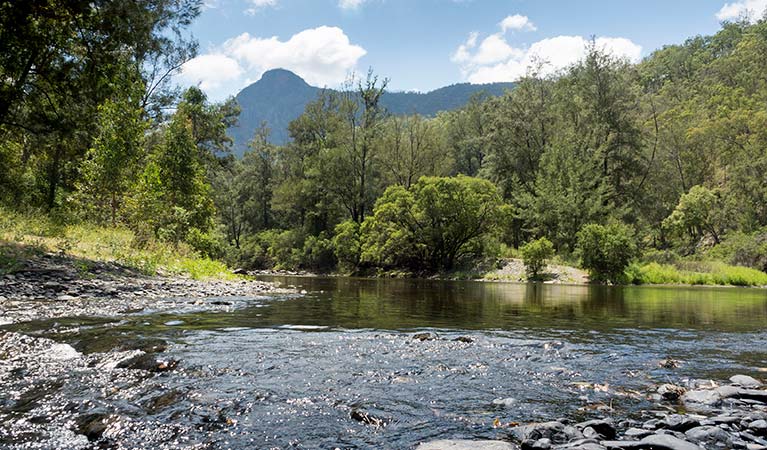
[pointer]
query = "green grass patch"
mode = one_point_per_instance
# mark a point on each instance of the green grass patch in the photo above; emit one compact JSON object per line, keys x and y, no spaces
{"x":706,"y":273}
{"x":25,"y":235}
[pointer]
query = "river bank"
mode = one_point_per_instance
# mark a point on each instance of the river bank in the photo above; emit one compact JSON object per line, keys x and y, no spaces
{"x":52,"y":285}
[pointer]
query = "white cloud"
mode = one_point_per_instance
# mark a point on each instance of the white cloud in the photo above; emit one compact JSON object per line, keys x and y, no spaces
{"x":491,"y":50}
{"x":555,"y":53}
{"x":211,"y":71}
{"x":751,"y":10}
{"x":517,"y":22}
{"x":323,"y":56}
{"x":350,"y":4}
{"x":258,"y":5}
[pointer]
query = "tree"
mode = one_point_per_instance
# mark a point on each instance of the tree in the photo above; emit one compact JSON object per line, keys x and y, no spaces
{"x":172,"y":197}
{"x":61,"y":60}
{"x":536,"y":255}
{"x":435,"y":224}
{"x":412,"y":147}
{"x":256,"y":181}
{"x":700,"y":212}
{"x":606,"y":250}
{"x":111,"y":164}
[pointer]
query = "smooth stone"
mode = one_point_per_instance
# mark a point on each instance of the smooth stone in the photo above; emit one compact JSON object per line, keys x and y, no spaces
{"x":678,"y":422}
{"x":745,"y":381}
{"x":667,"y":442}
{"x":708,"y":434}
{"x":174,"y":323}
{"x":637,"y":433}
{"x":450,"y":444}
{"x":759,"y":427}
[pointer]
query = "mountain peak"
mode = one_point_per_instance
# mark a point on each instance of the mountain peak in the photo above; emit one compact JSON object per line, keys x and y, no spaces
{"x":282,"y":77}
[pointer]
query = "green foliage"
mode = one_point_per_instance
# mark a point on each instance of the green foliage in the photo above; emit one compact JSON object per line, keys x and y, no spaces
{"x":716,"y":274}
{"x":436,"y":224}
{"x":111,"y":164}
{"x":743,"y":249}
{"x":346,"y":245}
{"x":536,"y":255}
{"x":606,"y":251}
{"x":700,"y":212}
{"x":172,"y":196}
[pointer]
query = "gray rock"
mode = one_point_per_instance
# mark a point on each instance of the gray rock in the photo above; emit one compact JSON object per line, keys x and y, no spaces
{"x":745,"y":381}
{"x":448,"y":444}
{"x":759,"y":427}
{"x":557,"y":432}
{"x":604,"y":428}
{"x":709,"y":435}
{"x":679,"y":422}
{"x":751,"y":394}
{"x":671,"y":392}
{"x":540,"y":444}
{"x":667,"y":442}
{"x":637,"y":433}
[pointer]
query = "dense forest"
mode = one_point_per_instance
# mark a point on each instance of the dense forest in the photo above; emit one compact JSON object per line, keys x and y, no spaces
{"x":607,"y":163}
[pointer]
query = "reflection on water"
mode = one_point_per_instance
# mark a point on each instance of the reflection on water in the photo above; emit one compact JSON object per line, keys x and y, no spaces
{"x":398,"y":304}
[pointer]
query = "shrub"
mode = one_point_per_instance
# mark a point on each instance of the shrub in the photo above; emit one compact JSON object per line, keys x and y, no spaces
{"x":536,"y":255}
{"x":346,"y":245}
{"x":318,"y":253}
{"x":606,"y":251}
{"x":437,"y":224}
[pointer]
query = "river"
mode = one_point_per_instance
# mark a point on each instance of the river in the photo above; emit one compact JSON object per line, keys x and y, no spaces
{"x":359,"y":363}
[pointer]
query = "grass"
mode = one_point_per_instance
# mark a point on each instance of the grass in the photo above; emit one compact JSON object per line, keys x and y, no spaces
{"x":23,"y":236}
{"x":707,"y":273}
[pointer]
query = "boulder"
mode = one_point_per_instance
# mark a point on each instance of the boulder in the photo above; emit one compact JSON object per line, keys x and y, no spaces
{"x":745,"y":381}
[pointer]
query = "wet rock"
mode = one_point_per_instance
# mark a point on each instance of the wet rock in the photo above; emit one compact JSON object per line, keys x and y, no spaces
{"x":671,"y":392}
{"x":368,"y":419}
{"x":240,"y":271}
{"x":669,"y":363}
{"x":162,"y":401}
{"x":745,"y":381}
{"x":464,"y":339}
{"x":557,"y":432}
{"x":466,"y":445}
{"x":93,"y":425}
{"x":506,"y":402}
{"x":605,"y":429}
{"x":147,"y":362}
{"x":425,"y":337}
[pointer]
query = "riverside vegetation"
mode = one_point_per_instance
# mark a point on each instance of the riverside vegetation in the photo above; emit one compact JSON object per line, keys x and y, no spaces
{"x":645,"y":173}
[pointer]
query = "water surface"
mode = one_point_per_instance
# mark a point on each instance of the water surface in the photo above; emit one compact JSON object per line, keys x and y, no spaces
{"x":301,"y":371}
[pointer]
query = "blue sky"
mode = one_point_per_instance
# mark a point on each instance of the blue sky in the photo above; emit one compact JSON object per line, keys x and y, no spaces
{"x":426,"y":44}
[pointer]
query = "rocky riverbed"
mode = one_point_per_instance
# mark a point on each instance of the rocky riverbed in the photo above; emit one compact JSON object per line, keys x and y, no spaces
{"x":54,"y":286}
{"x":698,"y":415}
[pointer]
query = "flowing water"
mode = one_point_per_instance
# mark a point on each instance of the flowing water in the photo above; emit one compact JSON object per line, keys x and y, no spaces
{"x":339,"y":367}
